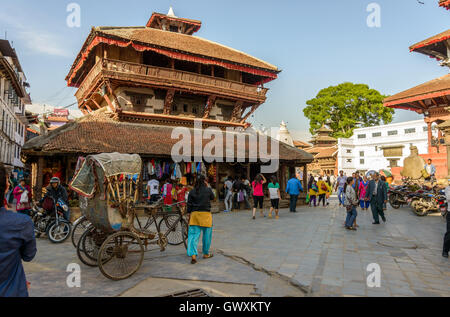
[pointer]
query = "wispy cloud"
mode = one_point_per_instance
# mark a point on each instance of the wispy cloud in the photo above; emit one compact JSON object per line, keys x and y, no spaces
{"x":35,"y":40}
{"x":42,"y":42}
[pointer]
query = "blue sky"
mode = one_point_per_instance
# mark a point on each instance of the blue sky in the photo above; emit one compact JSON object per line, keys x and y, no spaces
{"x":315,"y":43}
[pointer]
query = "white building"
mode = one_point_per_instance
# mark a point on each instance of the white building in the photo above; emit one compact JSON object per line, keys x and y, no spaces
{"x":13,"y":97}
{"x":364,"y":150}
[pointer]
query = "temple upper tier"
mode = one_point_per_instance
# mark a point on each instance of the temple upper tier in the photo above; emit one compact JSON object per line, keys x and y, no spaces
{"x":161,"y":69}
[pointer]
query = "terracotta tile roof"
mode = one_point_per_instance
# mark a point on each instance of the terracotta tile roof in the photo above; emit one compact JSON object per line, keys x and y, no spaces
{"x":445,"y":4}
{"x":432,"y":40}
{"x":100,"y":132}
{"x":301,"y":144}
{"x":187,"y":43}
{"x":323,"y":152}
{"x":58,"y":119}
{"x":433,"y":89}
{"x":176,"y":42}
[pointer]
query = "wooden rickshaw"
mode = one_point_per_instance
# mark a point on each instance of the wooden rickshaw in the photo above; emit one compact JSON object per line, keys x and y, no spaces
{"x":116,"y":237}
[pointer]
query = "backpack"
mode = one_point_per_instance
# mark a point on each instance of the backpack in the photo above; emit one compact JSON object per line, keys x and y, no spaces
{"x":324,"y":187}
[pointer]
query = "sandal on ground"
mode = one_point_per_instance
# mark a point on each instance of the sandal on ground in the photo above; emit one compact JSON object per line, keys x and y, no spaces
{"x":208,"y":256}
{"x":193,"y":261}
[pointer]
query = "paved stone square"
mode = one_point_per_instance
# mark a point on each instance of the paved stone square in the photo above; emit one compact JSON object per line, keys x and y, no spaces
{"x":307,"y":253}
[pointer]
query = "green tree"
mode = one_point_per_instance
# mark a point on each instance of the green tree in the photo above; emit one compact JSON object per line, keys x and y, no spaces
{"x":342,"y":108}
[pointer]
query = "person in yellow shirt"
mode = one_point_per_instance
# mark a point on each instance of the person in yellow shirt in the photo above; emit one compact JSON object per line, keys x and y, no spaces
{"x":313,"y":193}
{"x":324,"y":188}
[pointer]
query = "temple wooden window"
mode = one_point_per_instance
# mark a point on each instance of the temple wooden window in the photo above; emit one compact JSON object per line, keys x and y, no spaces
{"x":186,"y":66}
{"x":155,"y":59}
{"x":185,"y":108}
{"x":349,"y":151}
{"x":361,"y":153}
{"x":174,"y":108}
{"x":205,"y":70}
{"x":174,"y":28}
{"x":195,"y":109}
{"x":251,"y":79}
{"x":219,"y":72}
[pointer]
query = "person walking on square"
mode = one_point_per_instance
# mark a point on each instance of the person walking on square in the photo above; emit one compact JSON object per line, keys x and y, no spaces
{"x":323,"y":190}
{"x":258,"y":194}
{"x":17,"y":244}
{"x":22,"y":194}
{"x":275,"y":196}
{"x":228,"y":194}
{"x":386,"y":189}
{"x":362,"y":193}
{"x":313,"y":190}
{"x":200,"y":219}
{"x":376,"y":194}
{"x":350,"y":203}
{"x":340,"y":183}
{"x":293,"y":188}
{"x":247,"y":190}
{"x":446,"y":248}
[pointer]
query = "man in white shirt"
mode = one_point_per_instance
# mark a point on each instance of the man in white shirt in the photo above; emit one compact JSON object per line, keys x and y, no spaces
{"x":153,"y":189}
{"x":228,"y":194}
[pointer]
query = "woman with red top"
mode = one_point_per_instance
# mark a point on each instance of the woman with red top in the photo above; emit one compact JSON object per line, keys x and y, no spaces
{"x":258,"y":194}
{"x":167,"y":192}
{"x":22,"y":207}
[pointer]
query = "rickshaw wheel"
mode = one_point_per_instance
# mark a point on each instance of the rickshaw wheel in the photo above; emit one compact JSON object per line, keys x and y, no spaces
{"x":78,"y":229}
{"x":121,"y":255}
{"x":81,"y":249}
{"x":177,"y":233}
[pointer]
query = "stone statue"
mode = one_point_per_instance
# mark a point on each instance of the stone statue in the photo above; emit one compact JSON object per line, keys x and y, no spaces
{"x":413,"y":165}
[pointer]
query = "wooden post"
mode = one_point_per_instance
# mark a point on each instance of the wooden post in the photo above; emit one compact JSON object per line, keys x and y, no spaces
{"x":39,"y":183}
{"x":217,"y":181}
{"x":305,"y":179}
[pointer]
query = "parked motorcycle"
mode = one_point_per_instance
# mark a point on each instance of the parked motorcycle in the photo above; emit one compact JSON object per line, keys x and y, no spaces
{"x":398,"y":196}
{"x":51,"y":221}
{"x":423,"y":202}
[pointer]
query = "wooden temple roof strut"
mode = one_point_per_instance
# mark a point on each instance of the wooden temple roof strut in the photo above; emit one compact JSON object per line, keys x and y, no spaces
{"x":209,"y":105}
{"x":249,"y":113}
{"x":237,"y":111}
{"x":168,"y":101}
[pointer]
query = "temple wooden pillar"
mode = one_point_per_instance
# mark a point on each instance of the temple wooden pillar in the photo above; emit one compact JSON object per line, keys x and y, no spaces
{"x":305,"y":178}
{"x":430,"y":136}
{"x":39,"y":178}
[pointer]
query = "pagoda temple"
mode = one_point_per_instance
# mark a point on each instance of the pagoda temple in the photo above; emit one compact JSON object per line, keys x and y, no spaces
{"x":135,"y":84}
{"x":325,"y":152}
{"x":432,"y":98}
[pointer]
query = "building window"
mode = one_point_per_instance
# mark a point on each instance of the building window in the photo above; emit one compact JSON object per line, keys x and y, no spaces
{"x":174,"y":108}
{"x":393,"y":132}
{"x":349,"y":151}
{"x":361,"y":161}
{"x":349,"y":160}
{"x":411,"y":130}
{"x":361,"y":153}
{"x":185,"y":108}
{"x":425,"y":129}
{"x":361,"y":136}
{"x":194,"y":109}
{"x":376,"y":134}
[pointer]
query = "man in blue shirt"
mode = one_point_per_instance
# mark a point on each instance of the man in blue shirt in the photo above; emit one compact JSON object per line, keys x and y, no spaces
{"x":294,"y":187}
{"x":17,"y":243}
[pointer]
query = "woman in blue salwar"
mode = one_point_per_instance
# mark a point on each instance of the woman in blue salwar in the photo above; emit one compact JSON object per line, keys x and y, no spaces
{"x":200,"y":219}
{"x":17,"y":243}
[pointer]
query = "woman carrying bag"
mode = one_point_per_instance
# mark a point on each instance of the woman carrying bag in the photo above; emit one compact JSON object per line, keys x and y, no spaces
{"x":22,"y":194}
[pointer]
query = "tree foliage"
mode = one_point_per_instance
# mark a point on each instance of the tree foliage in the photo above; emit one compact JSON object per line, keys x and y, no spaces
{"x":342,"y":108}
